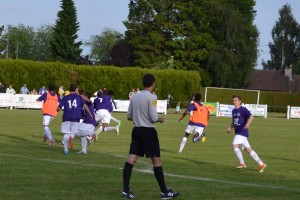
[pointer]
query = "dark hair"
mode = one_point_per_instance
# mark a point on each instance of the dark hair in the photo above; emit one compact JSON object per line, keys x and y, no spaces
{"x":197,"y":97}
{"x":81,"y":91}
{"x":237,"y":96}
{"x":99,"y":94}
{"x":73,"y":87}
{"x":110,"y":92}
{"x":148,"y":80}
{"x":88,"y":94}
{"x":51,"y":88}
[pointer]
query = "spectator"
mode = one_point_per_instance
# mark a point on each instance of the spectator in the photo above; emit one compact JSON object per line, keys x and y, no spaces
{"x":42,"y":90}
{"x":33,"y":92}
{"x":169,"y":100}
{"x":24,"y":90}
{"x":1,"y":88}
{"x":61,"y":91}
{"x":10,"y":90}
{"x":177,"y":109}
{"x":131,"y":94}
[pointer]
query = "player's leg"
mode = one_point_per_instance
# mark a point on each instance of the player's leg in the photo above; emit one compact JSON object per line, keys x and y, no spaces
{"x":189,"y":129}
{"x":198,"y":134}
{"x":253,"y":154}
{"x":237,"y":140}
{"x":66,"y":129}
{"x":105,"y":124}
{"x":115,"y":120}
{"x":47,"y":132}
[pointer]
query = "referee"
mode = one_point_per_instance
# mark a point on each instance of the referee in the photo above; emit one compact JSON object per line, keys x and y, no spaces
{"x":142,"y":111}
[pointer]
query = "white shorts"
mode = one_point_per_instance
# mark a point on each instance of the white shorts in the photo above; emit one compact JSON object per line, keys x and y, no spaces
{"x":194,"y":129}
{"x":241,"y":140}
{"x":68,"y":127}
{"x":103,"y":116}
{"x":47,"y":120}
{"x":85,"y":129}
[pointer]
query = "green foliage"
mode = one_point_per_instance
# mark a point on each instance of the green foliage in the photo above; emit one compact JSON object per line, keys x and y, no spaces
{"x":286,"y":42}
{"x":101,"y":46}
{"x":120,"y":80}
{"x":64,"y":45}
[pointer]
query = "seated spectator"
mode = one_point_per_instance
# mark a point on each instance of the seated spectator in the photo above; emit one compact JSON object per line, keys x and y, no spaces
{"x":33,"y":92}
{"x":1,"y":88}
{"x":42,"y":90}
{"x":24,"y":90}
{"x":10,"y":90}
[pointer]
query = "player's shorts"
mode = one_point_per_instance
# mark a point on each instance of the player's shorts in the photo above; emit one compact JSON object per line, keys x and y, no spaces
{"x":68,"y":127}
{"x":47,"y":120}
{"x":241,"y":140}
{"x":192,"y":129}
{"x":144,"y":141}
{"x":85,"y":129}
{"x":103,"y":116}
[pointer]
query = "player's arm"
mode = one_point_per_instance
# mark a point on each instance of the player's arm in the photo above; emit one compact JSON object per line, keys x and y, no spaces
{"x":249,"y":121}
{"x":86,"y":108}
{"x":183,"y":115}
{"x":230,"y":128}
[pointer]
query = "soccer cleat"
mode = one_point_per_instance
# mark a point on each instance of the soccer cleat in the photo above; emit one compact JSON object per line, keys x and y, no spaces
{"x":66,"y":152}
{"x":90,"y":139}
{"x":119,"y":123}
{"x":241,"y":166}
{"x":180,"y":152}
{"x":262,"y":167}
{"x":117,"y":130}
{"x":169,"y":194}
{"x":70,"y":142}
{"x":203,"y":138}
{"x":44,"y":138}
{"x":51,"y":142}
{"x":82,"y":152}
{"x":128,"y":195}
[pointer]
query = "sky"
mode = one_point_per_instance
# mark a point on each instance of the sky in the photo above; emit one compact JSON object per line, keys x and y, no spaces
{"x":96,"y":15}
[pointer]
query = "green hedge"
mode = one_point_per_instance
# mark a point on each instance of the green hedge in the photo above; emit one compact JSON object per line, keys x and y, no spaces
{"x":121,"y":80}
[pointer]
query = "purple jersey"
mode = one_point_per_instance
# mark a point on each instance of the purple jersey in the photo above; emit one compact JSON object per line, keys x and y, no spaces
{"x":86,"y":117}
{"x":72,"y":104}
{"x":103,"y":102}
{"x":240,"y":117}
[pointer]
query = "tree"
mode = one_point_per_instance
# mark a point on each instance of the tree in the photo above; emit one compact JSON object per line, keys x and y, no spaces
{"x":101,"y":46}
{"x":41,"y":43}
{"x":64,"y":45}
{"x":235,"y":53}
{"x":286,"y":42}
{"x":121,"y":54}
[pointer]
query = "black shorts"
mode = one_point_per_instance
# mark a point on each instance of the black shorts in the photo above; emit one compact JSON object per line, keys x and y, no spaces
{"x":144,"y":141}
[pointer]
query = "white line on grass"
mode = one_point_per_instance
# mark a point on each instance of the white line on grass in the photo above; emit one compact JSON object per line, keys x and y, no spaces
{"x":151,"y":172}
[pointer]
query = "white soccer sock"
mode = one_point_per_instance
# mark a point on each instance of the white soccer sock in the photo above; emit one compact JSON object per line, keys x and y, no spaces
{"x":83,"y":143}
{"x":66,"y":142}
{"x":47,"y":132}
{"x":114,"y":119}
{"x":255,"y":157}
{"x":183,"y":142}
{"x":110,"y":128}
{"x":239,"y":154}
{"x":72,"y":135}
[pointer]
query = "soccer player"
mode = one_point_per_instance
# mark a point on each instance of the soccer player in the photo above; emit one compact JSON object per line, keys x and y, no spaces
{"x":241,"y":120}
{"x":72,"y":105}
{"x":198,"y":121}
{"x":143,"y":112}
{"x":87,"y":127}
{"x":49,"y":110}
{"x":103,"y":106}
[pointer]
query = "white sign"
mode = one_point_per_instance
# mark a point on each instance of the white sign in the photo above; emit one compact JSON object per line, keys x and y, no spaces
{"x":257,"y":110}
{"x":225,"y":110}
{"x":294,"y":112}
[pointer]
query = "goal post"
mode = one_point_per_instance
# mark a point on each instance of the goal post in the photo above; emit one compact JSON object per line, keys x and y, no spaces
{"x":231,"y":89}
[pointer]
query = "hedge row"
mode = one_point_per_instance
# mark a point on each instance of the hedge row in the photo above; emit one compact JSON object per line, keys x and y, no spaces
{"x":121,"y":80}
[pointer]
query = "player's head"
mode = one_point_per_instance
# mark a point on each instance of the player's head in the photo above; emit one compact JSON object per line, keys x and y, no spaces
{"x":148,"y":80}
{"x":110,"y":92}
{"x":51,"y":88}
{"x":88,"y":95}
{"x":80,"y":91}
{"x":197,"y":97}
{"x":236,"y":100}
{"x":99,"y":93}
{"x":73,"y":87}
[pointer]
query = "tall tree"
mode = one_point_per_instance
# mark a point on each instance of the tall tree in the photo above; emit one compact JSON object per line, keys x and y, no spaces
{"x":286,"y":42}
{"x":64,"y":45}
{"x":101,"y":46}
{"x":41,"y":43}
{"x":236,"y":37}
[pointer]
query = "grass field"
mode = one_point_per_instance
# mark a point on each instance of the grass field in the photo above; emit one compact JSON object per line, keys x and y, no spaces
{"x":30,"y":169}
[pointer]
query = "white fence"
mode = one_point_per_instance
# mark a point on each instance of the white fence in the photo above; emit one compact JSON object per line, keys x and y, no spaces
{"x":29,"y":102}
